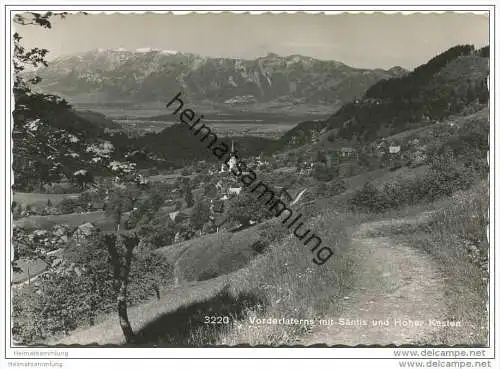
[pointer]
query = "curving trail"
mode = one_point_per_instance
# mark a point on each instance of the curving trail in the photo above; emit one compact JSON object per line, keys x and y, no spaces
{"x":393,"y":282}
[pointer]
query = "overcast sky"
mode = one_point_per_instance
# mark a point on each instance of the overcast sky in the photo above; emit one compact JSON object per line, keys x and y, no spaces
{"x":360,"y":40}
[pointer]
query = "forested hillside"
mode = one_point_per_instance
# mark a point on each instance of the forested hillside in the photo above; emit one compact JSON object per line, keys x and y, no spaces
{"x":430,"y":93}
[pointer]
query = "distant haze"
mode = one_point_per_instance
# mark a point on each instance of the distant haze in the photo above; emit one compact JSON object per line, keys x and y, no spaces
{"x":359,"y":40}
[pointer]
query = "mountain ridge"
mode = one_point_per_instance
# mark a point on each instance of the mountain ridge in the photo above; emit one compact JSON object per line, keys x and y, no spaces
{"x":121,"y":75}
{"x":450,"y":83}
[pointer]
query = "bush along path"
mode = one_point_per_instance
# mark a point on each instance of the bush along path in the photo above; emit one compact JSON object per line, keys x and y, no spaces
{"x":398,"y":297}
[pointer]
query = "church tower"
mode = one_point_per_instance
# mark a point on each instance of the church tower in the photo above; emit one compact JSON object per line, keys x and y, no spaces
{"x":231,"y":163}
{"x":232,"y":157}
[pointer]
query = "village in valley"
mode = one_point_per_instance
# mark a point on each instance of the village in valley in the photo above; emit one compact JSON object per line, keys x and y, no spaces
{"x":210,"y":184}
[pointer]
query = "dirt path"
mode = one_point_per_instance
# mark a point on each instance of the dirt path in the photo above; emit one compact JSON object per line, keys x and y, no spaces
{"x":397,"y":284}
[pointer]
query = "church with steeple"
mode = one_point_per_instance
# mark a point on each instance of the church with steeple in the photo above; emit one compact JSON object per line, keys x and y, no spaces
{"x":231,"y":163}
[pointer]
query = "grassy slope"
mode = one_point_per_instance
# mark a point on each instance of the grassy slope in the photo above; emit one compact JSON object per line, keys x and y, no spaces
{"x":98,"y":218}
{"x":33,"y":198}
{"x":291,"y":285}
{"x":282,"y":279}
{"x":286,"y":282}
{"x":427,"y":133}
{"x":381,"y":176}
{"x":449,"y":238}
{"x":456,"y":223}
{"x":35,"y":268}
{"x":107,"y":330}
{"x":212,"y":255}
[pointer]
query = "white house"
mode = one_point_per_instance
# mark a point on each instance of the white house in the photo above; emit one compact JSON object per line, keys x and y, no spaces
{"x":347,"y":151}
{"x":234,"y":190}
{"x":394,"y":149}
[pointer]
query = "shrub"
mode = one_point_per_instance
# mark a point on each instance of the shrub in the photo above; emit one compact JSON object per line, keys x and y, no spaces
{"x":60,"y":188}
{"x":25,"y":327}
{"x":148,"y":272}
{"x":188,"y":197}
{"x":157,"y":233}
{"x":58,"y":304}
{"x":395,"y":166}
{"x":324,"y":174}
{"x":246,"y":207}
{"x":259,"y":246}
{"x":443,"y":179}
{"x":208,"y":228}
{"x":369,"y":198}
{"x":17,"y":210}
{"x":331,"y":188}
{"x":86,"y":201}
{"x":145,"y":209}
{"x":181,"y":218}
{"x":67,"y":206}
{"x":200,"y":215}
{"x":92,"y":199}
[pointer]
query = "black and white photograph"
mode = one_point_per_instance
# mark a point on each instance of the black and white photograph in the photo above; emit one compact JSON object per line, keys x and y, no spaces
{"x":238,"y":179}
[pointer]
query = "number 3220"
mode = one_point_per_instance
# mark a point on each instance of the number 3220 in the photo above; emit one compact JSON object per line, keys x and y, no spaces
{"x":216,"y":319}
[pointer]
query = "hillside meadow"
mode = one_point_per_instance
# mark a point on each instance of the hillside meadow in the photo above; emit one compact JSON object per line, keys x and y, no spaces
{"x":281,"y":278}
{"x":33,"y":199}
